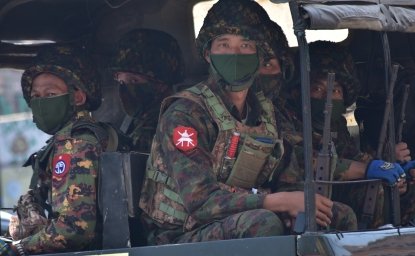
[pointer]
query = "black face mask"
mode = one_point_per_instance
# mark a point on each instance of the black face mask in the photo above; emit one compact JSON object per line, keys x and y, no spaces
{"x":136,"y":98}
{"x":270,"y":85}
{"x":317,"y":112}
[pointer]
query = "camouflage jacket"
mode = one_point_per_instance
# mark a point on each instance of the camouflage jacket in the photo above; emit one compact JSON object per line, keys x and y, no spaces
{"x":188,"y":185}
{"x":70,"y":178}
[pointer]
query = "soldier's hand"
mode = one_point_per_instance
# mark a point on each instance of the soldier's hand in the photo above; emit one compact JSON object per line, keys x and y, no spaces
{"x":13,"y":226}
{"x":293,"y":203}
{"x":402,"y":152}
{"x":389,"y":172}
{"x":402,"y":186}
{"x":323,"y":210}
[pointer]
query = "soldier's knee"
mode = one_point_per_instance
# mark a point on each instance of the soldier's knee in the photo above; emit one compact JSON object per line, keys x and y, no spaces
{"x":262,"y":223}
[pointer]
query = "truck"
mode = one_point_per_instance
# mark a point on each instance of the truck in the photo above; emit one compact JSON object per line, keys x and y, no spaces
{"x":376,"y":31}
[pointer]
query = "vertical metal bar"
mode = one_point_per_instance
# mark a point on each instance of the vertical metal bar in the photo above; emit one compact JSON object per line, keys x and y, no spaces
{"x":309,"y":188}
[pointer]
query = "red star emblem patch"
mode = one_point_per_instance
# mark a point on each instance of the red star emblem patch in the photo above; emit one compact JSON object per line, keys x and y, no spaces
{"x":61,"y":165}
{"x":185,"y":138}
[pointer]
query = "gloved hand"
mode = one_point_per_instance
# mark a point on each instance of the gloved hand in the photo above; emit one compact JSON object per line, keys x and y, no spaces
{"x":389,"y":172}
{"x":5,"y":249}
{"x":407,"y":167}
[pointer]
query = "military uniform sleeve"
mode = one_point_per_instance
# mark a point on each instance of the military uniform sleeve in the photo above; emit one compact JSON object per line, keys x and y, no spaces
{"x":74,"y":175}
{"x":289,"y":175}
{"x":203,"y":196}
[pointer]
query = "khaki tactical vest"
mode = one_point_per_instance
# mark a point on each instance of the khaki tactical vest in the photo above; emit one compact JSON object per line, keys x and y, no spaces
{"x":258,"y":154}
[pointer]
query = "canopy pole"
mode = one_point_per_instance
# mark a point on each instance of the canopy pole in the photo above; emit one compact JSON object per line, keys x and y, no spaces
{"x":309,"y":186}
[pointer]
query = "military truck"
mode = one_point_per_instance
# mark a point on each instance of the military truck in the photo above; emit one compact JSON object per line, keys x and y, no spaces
{"x":373,"y":29}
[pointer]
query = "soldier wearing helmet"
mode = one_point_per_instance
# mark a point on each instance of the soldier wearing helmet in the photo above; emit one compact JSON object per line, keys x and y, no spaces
{"x":277,"y":67}
{"x":349,"y":162}
{"x":277,"y":70}
{"x":147,"y":63}
{"x":217,"y":144}
{"x":61,"y":90}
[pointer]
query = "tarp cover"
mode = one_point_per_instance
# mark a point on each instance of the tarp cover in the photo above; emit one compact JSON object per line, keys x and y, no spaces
{"x":377,"y":17}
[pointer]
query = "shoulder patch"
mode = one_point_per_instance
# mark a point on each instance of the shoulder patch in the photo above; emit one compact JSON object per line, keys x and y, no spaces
{"x":185,"y":138}
{"x":61,"y":165}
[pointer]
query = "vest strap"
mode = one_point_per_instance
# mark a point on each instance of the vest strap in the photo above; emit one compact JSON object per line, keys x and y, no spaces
{"x":160,"y":177}
{"x":269,"y":112}
{"x":172,"y":195}
{"x":173,"y":212}
{"x":226,"y":120}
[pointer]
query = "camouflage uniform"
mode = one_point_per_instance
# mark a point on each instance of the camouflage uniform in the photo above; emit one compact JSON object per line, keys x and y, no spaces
{"x":329,"y":57}
{"x":66,"y":169}
{"x":199,"y":194}
{"x":194,"y":203}
{"x":155,"y":55}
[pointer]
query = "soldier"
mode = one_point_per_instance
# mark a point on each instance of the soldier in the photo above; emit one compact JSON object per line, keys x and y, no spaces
{"x":274,"y":74}
{"x":217,"y":144}
{"x":61,"y":89}
{"x":278,"y":67}
{"x":147,"y":64}
{"x":351,"y":164}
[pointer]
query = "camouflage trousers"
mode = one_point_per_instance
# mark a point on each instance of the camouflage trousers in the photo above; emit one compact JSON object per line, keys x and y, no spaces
{"x":253,"y":223}
{"x":344,"y":218}
{"x":354,"y":196}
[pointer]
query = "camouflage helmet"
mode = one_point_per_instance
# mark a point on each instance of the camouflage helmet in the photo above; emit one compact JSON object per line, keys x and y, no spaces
{"x":276,"y":39}
{"x":276,"y":45}
{"x":152,"y":53}
{"x":69,"y":63}
{"x":237,"y":17}
{"x":327,"y":57}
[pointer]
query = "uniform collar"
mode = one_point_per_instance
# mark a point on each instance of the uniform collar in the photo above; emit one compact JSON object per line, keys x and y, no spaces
{"x":254,"y":109}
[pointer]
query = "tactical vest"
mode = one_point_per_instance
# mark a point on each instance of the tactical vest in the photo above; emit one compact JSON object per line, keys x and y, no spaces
{"x":258,"y":154}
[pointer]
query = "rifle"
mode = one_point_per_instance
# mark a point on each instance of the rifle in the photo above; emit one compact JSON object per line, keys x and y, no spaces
{"x":386,"y":115}
{"x":323,"y":167}
{"x":402,"y":120}
{"x":391,"y":191}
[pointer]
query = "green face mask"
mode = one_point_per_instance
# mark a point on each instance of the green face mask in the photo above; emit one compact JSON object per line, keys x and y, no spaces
{"x":270,"y":85}
{"x":317,"y":112}
{"x":51,"y":113}
{"x":238,"y":70}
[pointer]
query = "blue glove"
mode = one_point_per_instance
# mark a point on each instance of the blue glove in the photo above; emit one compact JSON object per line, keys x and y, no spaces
{"x":407,"y":167}
{"x":389,"y":172}
{"x":5,"y":249}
